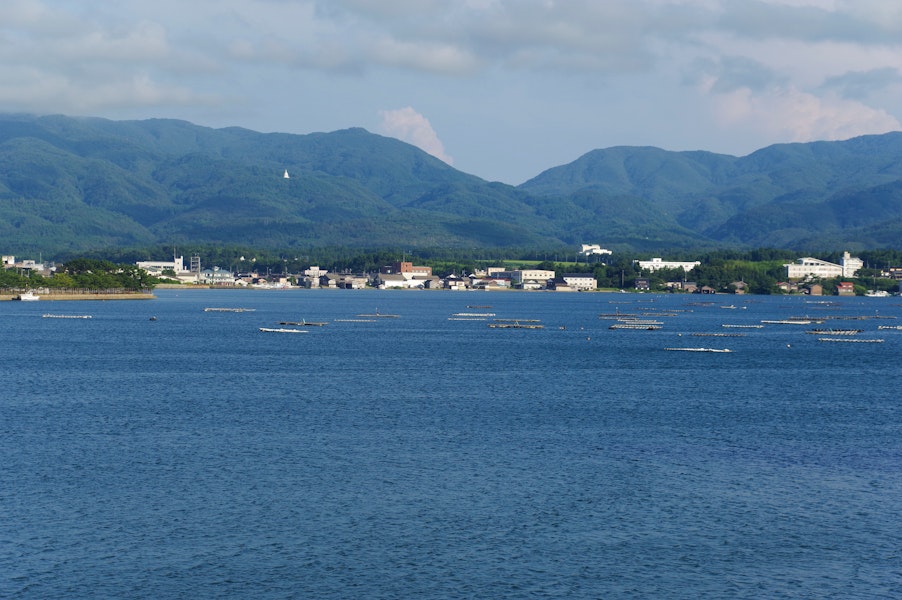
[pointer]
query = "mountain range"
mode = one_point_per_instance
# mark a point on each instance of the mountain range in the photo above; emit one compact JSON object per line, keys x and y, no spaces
{"x":77,"y":184}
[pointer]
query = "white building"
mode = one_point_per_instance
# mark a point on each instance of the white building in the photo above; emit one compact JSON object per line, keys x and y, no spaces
{"x":658,"y":263}
{"x":156,"y":267}
{"x":217,"y":276}
{"x":526,"y":278}
{"x":850,"y":264}
{"x":524,"y":275}
{"x":580,"y":281}
{"x":589,"y":249}
{"x":313,"y":276}
{"x":806,"y":267}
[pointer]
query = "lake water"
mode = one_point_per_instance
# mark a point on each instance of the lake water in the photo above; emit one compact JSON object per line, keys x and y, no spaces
{"x":193,"y":456}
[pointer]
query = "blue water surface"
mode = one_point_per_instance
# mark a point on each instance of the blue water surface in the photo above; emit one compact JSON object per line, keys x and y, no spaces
{"x":413,"y":456}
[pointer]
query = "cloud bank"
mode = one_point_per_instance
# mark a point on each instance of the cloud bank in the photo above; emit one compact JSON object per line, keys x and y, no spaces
{"x":503,"y":75}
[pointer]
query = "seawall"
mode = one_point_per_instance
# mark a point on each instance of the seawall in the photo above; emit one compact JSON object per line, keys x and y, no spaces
{"x":88,"y":296}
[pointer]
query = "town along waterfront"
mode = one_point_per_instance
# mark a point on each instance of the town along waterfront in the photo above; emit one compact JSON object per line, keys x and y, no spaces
{"x":401,"y":451}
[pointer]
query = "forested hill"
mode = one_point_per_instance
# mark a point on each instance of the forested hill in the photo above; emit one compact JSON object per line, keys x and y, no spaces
{"x":70,"y":184}
{"x":819,"y":194}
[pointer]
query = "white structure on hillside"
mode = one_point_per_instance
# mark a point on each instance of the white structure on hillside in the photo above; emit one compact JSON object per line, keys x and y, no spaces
{"x":589,"y":249}
{"x":658,"y":263}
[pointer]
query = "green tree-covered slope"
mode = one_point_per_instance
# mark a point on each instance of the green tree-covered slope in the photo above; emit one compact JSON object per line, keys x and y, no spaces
{"x":83,"y":184}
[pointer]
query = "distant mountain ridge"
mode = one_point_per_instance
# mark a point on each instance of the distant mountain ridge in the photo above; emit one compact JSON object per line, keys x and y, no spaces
{"x":75,"y":184}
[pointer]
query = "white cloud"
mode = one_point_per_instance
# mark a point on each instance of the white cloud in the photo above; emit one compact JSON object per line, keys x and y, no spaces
{"x":793,"y":115}
{"x":409,"y":126}
{"x":509,"y":78}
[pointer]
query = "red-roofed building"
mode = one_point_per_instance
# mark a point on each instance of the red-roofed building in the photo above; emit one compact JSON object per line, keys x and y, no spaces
{"x":845,"y":288}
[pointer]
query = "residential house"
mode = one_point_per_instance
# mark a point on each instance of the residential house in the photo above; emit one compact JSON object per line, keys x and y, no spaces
{"x":845,"y":288}
{"x":455,"y":282}
{"x":217,"y":277}
{"x":324,"y":280}
{"x":685,"y":286}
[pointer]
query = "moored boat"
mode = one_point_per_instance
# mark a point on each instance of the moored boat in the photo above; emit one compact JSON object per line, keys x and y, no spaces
{"x":719,"y":350}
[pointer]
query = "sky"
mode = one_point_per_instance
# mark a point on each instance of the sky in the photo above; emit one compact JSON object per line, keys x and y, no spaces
{"x":501,"y":89}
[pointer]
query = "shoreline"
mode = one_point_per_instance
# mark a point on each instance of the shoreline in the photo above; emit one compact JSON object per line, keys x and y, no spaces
{"x":69,"y":297}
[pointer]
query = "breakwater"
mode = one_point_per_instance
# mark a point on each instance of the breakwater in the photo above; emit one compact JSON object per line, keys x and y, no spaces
{"x":85,"y":296}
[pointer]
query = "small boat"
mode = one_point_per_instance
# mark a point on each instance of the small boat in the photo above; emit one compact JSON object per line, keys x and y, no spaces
{"x":281,"y":330}
{"x":27,"y":297}
{"x":877,"y":294}
{"x":719,"y":350}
